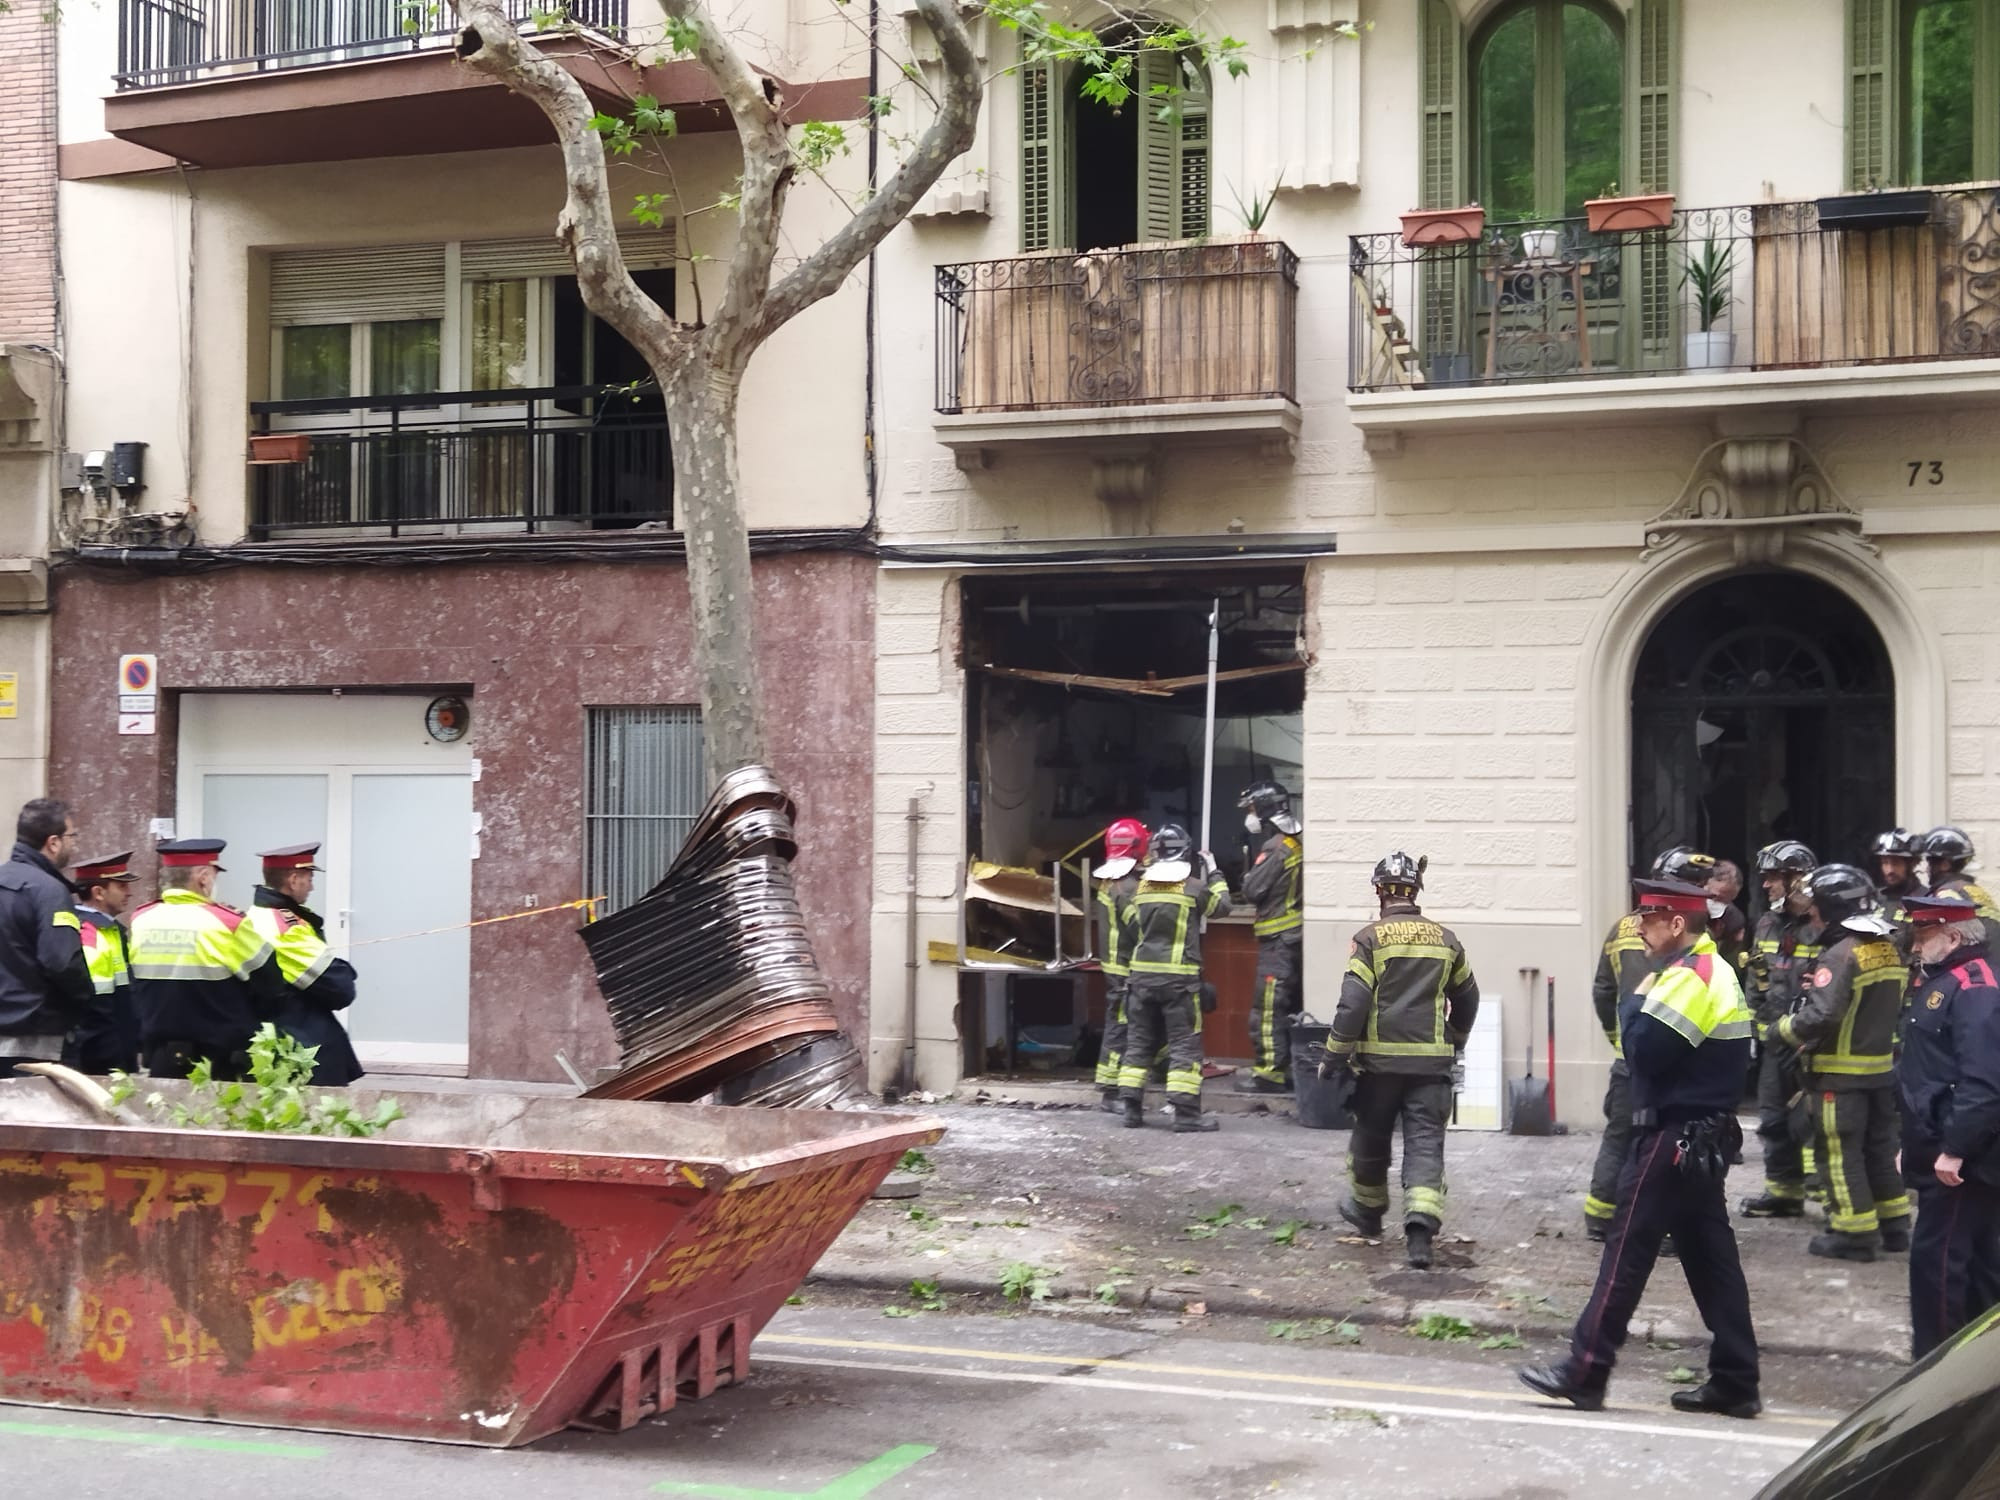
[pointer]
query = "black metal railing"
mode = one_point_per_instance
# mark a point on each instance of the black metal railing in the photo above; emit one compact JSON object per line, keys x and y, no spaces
{"x":553,"y":459}
{"x":178,"y":41}
{"x":1142,"y":326}
{"x":1765,"y":286}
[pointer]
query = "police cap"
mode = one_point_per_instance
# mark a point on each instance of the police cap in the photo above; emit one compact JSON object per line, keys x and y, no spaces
{"x":187,"y":854}
{"x":105,"y":868}
{"x":1924,"y":911}
{"x":292,"y":857}
{"x":1670,"y":895}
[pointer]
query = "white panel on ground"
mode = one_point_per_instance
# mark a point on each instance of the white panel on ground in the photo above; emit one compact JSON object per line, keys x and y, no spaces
{"x":1479,"y":1106}
{"x":412,"y":873}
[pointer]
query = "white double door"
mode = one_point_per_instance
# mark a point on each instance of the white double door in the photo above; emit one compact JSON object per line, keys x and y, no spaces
{"x":392,"y":811}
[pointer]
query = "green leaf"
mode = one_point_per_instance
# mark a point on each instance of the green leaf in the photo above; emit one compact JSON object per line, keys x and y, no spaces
{"x":1201,"y":1231}
{"x":1501,"y":1341}
{"x":1021,"y":1282}
{"x":683,"y":35}
{"x":1682,"y":1375}
{"x":1107,"y":1291}
{"x":1287,"y":1233}
{"x":916,"y":1163}
{"x":1346,"y":1333}
{"x":894,"y":1311}
{"x":1442,"y":1328}
{"x":1221,"y":1217}
{"x":795,"y":1300}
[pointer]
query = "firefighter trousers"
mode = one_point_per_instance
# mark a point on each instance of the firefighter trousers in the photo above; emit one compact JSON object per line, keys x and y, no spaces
{"x":1954,"y":1259}
{"x":1656,"y":1199}
{"x":1777,"y":1081}
{"x":1422,"y":1103}
{"x":1272,"y":1006}
{"x":1163,"y":1007}
{"x":1117,"y":1029}
{"x":1858,"y":1140}
{"x":1602,"y":1201}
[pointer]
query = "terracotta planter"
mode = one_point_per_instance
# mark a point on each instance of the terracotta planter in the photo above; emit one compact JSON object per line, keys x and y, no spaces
{"x":1443,"y":226}
{"x":279,"y":447}
{"x":1625,"y":215}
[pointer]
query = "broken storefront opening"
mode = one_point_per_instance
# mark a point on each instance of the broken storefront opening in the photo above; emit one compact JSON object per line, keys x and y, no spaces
{"x":1086,"y":702}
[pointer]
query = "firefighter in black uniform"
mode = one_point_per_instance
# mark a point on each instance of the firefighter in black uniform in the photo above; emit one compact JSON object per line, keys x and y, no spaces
{"x":1621,"y":964}
{"x":1407,"y":1005}
{"x":1687,"y":1043}
{"x":1273,"y":885}
{"x":1948,"y":1084}
{"x":1125,"y":844}
{"x":1895,"y":855}
{"x":1844,"y":1029}
{"x":1786,"y":944}
{"x":1947,"y":851}
{"x":1179,"y":890}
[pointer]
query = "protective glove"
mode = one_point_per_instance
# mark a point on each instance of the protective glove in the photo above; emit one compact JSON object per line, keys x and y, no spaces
{"x":1458,"y":1073}
{"x":1329,"y":1068}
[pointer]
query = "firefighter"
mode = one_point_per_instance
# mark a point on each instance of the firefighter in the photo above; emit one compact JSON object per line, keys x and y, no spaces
{"x":1844,"y":1028}
{"x":110,"y":1038}
{"x":45,"y":985}
{"x":1786,"y":942}
{"x":1894,"y":856}
{"x":1177,"y":892}
{"x":1947,"y":851}
{"x":320,"y":984}
{"x":1687,"y":1043}
{"x":1125,"y":844}
{"x":1725,"y":918}
{"x":1272,"y":885}
{"x":1407,"y":1004}
{"x":1948,"y":1087}
{"x":1621,"y":963}
{"x":203,"y":979}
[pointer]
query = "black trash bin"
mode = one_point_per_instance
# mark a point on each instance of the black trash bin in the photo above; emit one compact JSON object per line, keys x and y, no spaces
{"x":1320,"y":1106}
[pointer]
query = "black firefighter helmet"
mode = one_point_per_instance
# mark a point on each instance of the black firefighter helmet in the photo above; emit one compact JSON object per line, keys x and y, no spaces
{"x":1786,"y":857}
{"x":1839,"y":892}
{"x":1948,"y":849}
{"x":1271,"y":803}
{"x":1171,"y":842}
{"x":1897,"y":843}
{"x":1400,"y":875}
{"x":1686,"y":864}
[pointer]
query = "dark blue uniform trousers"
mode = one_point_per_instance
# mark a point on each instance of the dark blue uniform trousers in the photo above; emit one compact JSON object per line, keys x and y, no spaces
{"x":1954,"y":1258}
{"x":1655,"y":1200}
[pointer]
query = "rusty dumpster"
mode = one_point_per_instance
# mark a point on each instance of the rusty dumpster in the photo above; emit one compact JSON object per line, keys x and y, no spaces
{"x":495,"y":1269}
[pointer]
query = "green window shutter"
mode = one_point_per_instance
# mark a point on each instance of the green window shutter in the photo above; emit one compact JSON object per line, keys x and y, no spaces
{"x":1442,"y":63}
{"x":1194,"y":174}
{"x":1159,"y":146}
{"x":1652,"y":32}
{"x":1871,"y":93}
{"x":1045,"y":217}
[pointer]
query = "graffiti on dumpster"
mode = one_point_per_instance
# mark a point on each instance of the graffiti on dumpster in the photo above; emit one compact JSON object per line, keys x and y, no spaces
{"x":259,"y":1195}
{"x":104,"y":1331}
{"x":799,"y":1211}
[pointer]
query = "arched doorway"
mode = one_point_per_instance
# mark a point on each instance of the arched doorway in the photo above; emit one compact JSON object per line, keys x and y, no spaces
{"x":1763,"y":707}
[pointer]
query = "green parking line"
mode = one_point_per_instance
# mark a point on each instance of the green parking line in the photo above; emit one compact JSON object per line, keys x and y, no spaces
{"x":853,"y":1485}
{"x":158,"y":1440}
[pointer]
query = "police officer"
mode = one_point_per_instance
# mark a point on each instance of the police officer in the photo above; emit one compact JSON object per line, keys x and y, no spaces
{"x":45,"y":987}
{"x":1895,"y":855}
{"x":1272,"y":885}
{"x":1621,"y":963}
{"x":1177,"y":892}
{"x":1844,"y":1028}
{"x":1948,"y":1086}
{"x":110,"y":1038}
{"x":1785,"y":944}
{"x":1947,"y":851}
{"x":321,"y":985}
{"x":1407,"y":1004}
{"x":1125,"y":843}
{"x":203,"y":979}
{"x":1687,"y":1043}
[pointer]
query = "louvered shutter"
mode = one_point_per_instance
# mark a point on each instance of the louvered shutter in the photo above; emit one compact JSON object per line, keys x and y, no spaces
{"x":1193,"y":171}
{"x":1159,"y":146}
{"x":1045,"y":220}
{"x":380,"y":283}
{"x":1871,"y":93}
{"x":543,"y":255}
{"x":1442,"y":62}
{"x":1653,"y":29}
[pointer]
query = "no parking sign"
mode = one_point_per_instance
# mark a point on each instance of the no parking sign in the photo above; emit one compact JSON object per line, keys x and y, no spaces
{"x":138,"y":693}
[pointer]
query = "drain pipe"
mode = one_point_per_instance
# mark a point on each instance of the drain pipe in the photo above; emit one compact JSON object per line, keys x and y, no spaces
{"x":915,"y":820}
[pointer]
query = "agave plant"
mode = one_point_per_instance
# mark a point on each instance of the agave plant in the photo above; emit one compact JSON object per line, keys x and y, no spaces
{"x":1709,"y":274}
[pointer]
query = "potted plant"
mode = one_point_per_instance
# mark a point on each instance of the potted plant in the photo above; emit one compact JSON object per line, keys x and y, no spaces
{"x":1708,"y":275}
{"x":1540,"y":247}
{"x":1257,"y":211}
{"x":1612,"y":214}
{"x":1443,"y":226}
{"x":279,"y":447}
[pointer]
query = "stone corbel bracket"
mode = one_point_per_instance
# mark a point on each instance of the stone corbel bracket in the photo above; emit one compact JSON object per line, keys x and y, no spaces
{"x":1760,"y":490}
{"x":28,"y":393}
{"x":1298,"y":117}
{"x":963,"y":187}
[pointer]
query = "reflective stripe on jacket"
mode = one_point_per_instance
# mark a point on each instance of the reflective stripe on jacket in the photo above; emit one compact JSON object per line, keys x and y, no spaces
{"x":1784,"y":948}
{"x":1687,"y":1037}
{"x":1272,"y":885}
{"x":1848,"y":1012}
{"x":1165,"y":922}
{"x":1408,"y":1000}
{"x":1621,"y":963}
{"x":1114,"y":899}
{"x":201,"y":974}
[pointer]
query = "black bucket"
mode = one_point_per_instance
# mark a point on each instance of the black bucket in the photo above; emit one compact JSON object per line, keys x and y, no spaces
{"x":1319,"y":1106}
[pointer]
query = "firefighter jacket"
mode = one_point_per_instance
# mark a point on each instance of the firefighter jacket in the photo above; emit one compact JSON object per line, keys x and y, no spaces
{"x":1687,"y":1038}
{"x":110,"y":1037}
{"x":1272,"y":885}
{"x":201,"y":975}
{"x":319,"y":983}
{"x":1784,"y":948}
{"x":1164,"y":921}
{"x":1965,"y":887}
{"x":1848,"y":1012}
{"x":1948,"y":1078}
{"x":45,"y":987}
{"x":1621,"y":964}
{"x":1408,"y":999}
{"x":1114,"y":899}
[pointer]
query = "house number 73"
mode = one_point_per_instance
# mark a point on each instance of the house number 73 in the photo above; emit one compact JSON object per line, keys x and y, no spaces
{"x":1920,"y":468}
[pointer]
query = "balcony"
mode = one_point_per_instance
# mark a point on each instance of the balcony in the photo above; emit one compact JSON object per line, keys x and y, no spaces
{"x":1119,"y":352}
{"x":1758,"y":305}
{"x":561,"y":458}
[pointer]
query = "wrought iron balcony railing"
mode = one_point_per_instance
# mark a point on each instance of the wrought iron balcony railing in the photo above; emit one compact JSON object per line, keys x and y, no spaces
{"x":179,"y":41}
{"x":1197,"y":321}
{"x":559,"y":458}
{"x":1763,"y":286}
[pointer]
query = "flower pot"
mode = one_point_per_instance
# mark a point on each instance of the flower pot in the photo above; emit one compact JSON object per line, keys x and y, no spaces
{"x":1713,"y":350}
{"x":1443,"y":226}
{"x":1625,"y":215}
{"x":1875,"y":210}
{"x":1540,"y":246}
{"x":279,"y":447}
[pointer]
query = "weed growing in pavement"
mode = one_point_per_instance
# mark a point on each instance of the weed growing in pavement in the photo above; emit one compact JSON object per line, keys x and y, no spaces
{"x":1021,"y":1282}
{"x":915,"y":1163}
{"x":924,"y":1295}
{"x":920,"y":1215}
{"x":1107,"y":1292}
{"x":1442,"y":1328}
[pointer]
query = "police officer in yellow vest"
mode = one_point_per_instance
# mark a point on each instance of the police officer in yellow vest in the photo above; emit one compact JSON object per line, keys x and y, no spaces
{"x":1178,"y":891}
{"x":1850,"y":1005}
{"x":203,"y":979}
{"x":320,"y":984}
{"x":110,"y":1038}
{"x":1273,"y":885}
{"x":1406,"y":1008}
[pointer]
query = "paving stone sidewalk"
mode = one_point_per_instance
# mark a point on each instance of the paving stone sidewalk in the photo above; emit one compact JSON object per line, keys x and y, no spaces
{"x":1144,"y":1216}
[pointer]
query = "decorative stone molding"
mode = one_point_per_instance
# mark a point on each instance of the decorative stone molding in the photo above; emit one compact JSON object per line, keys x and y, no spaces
{"x":1310,"y":97}
{"x":1759,"y":491}
{"x":27,"y":399}
{"x":963,"y":187}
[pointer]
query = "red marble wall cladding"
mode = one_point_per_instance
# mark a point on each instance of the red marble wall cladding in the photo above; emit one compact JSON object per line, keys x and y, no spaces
{"x":537,"y":643}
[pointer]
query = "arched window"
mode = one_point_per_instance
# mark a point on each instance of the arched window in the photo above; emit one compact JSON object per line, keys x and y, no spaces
{"x":1548,"y":81}
{"x":1923,"y":104}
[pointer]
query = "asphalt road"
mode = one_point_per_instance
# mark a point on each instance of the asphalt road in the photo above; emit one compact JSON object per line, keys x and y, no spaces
{"x":846,"y":1403}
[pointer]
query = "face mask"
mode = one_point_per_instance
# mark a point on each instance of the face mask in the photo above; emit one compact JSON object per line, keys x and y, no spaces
{"x":1252,"y":823}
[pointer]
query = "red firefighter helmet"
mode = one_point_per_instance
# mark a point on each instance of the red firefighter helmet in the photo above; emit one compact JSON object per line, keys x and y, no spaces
{"x":1126,"y":839}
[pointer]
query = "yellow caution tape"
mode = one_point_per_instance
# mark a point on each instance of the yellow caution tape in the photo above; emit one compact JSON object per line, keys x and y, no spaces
{"x":589,"y":902}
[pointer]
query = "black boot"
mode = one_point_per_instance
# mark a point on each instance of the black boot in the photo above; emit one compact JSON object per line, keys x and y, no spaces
{"x":1771,"y":1206}
{"x":1367,"y":1220}
{"x":1135,"y":1113}
{"x":1193,"y":1122}
{"x":1417,"y":1246}
{"x":1896,"y":1235}
{"x":1711,"y":1399}
{"x":1250,"y":1083}
{"x":1835,"y":1246}
{"x":1111,"y":1104}
{"x":1559,"y":1384}
{"x":1597,"y":1231}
